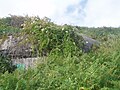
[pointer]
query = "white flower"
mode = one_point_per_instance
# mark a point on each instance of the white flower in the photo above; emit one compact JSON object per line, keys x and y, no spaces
{"x":42,"y":29}
{"x":66,"y":31}
{"x":33,"y":21}
{"x":86,"y":41}
{"x":74,"y":43}
{"x":22,"y":24}
{"x":62,"y":28}
{"x":46,"y":31}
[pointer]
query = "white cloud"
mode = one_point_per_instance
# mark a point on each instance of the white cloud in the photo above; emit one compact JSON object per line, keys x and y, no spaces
{"x":96,"y":13}
{"x":30,"y":7}
{"x":92,"y":13}
{"x":61,"y":15}
{"x":102,"y":13}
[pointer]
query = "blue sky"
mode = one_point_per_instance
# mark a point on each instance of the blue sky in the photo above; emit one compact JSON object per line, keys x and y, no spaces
{"x":90,"y":13}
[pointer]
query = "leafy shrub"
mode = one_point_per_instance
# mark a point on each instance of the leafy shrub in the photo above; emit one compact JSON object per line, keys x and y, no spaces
{"x":6,"y":65}
{"x":65,"y":67}
{"x":7,"y":30}
{"x":48,"y":37}
{"x":91,"y":72}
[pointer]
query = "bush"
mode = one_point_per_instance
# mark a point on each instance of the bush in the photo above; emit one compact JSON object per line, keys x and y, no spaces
{"x":91,"y":72}
{"x":65,"y":67}
{"x":6,"y":64}
{"x":47,"y":37}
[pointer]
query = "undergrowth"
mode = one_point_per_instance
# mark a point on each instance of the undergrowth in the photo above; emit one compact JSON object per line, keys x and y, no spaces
{"x":66,"y":67}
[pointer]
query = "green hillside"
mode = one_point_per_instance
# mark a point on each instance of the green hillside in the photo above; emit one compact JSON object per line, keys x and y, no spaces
{"x":66,"y":66}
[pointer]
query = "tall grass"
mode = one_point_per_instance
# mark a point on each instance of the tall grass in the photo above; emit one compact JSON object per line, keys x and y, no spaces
{"x":92,"y":71}
{"x":70,"y":69}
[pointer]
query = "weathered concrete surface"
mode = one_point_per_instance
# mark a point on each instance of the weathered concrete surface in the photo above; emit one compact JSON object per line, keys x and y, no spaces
{"x":9,"y":42}
{"x":28,"y":62}
{"x":22,"y":54}
{"x":89,"y":42}
{"x":13,"y":47}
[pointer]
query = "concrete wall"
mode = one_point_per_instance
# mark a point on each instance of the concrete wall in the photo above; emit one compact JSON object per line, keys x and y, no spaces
{"x":28,"y":62}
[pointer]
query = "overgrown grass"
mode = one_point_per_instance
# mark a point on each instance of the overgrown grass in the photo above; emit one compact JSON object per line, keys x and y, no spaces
{"x":92,"y":71}
{"x":68,"y":68}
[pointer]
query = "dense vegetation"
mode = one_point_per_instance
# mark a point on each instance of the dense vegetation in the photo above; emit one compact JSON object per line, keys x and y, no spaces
{"x":65,"y":67}
{"x":6,"y":65}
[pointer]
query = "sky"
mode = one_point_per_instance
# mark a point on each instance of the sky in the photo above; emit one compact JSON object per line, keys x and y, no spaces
{"x":90,"y":13}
